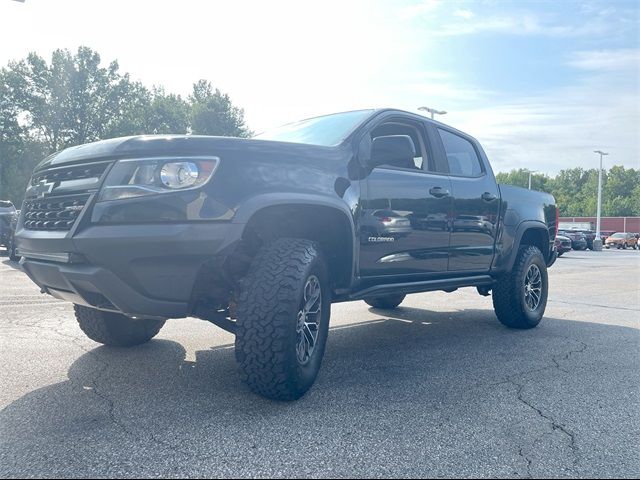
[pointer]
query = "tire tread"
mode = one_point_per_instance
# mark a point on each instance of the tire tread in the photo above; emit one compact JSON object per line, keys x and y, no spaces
{"x":115,"y":329}
{"x":268,"y":299}
{"x":505,"y":295}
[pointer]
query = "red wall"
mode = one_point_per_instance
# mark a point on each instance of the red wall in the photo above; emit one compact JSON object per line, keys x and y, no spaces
{"x":610,"y":223}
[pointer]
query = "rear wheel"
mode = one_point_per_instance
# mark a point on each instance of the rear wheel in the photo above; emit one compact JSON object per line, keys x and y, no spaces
{"x":115,"y":329}
{"x":283,"y":318}
{"x":520,"y":297}
{"x":386,"y":302}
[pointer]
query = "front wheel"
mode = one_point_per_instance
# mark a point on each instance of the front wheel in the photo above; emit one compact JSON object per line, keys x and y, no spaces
{"x":386,"y":302}
{"x":283,"y":318}
{"x":115,"y":329}
{"x":520,"y":297}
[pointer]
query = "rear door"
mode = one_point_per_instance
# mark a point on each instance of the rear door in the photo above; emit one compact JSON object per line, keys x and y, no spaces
{"x":405,"y":210}
{"x":475,"y":202}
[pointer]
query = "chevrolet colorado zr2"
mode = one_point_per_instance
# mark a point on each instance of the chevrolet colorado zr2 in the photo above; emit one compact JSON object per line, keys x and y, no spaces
{"x":260,"y":236}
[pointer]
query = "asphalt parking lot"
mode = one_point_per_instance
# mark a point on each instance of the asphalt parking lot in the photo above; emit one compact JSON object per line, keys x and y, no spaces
{"x":436,"y":388}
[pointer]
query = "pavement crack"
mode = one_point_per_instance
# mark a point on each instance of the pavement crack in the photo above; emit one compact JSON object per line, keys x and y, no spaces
{"x":554,"y":424}
{"x":584,"y":304}
{"x":526,"y":459}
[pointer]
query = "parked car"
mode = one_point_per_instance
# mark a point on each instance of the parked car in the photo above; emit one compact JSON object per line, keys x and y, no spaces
{"x":578,"y":239}
{"x":589,"y":236}
{"x":259,"y":236}
{"x":622,"y":240}
{"x":563,"y":244}
{"x":383,"y":223}
{"x":604,"y":234}
{"x":11,"y":242}
{"x":7,"y":214}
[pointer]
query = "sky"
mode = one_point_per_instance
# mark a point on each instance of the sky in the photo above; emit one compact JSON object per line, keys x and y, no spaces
{"x":540,"y":83}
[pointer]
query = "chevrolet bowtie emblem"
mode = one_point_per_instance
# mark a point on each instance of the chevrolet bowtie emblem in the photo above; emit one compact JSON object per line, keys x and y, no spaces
{"x":43,"y":189}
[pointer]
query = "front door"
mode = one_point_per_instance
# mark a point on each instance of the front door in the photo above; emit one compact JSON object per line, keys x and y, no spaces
{"x":405,"y":215}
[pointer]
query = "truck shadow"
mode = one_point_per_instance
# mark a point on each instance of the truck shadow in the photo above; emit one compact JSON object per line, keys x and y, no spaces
{"x":155,"y":399}
{"x":11,"y":263}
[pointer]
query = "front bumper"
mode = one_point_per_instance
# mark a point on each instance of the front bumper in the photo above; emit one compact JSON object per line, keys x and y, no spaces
{"x":138,"y":270}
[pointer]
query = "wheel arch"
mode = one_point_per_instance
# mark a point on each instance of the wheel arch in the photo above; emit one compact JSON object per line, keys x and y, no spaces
{"x":531,"y":233}
{"x":325,"y":220}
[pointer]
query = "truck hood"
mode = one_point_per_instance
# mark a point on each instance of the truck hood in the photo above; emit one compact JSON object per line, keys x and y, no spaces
{"x":167,"y":145}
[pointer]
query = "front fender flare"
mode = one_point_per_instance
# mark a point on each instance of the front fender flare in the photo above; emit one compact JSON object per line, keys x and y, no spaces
{"x":259,"y":202}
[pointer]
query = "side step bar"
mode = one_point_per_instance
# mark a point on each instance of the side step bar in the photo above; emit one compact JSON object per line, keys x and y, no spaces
{"x":423,"y":286}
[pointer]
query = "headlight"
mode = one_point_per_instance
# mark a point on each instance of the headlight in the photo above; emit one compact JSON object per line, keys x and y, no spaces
{"x":152,"y":176}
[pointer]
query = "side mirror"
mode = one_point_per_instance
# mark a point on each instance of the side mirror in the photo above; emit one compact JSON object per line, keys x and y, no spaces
{"x":396,"y":150}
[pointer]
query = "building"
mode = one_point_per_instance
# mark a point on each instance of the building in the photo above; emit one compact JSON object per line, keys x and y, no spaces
{"x":616,"y":224}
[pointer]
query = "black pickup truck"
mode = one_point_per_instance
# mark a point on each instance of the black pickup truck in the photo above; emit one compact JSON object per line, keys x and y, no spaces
{"x":260,"y":236}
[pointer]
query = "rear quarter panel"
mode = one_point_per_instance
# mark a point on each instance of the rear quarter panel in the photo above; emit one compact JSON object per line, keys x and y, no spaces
{"x":520,"y":210}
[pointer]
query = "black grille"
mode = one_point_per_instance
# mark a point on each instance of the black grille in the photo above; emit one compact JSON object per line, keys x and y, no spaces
{"x":53,"y":213}
{"x":57,"y":195}
{"x":77,"y":172}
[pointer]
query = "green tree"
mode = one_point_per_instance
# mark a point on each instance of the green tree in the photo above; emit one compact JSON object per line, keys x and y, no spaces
{"x":213,"y":113}
{"x":152,"y":112}
{"x":520,"y":178}
{"x":622,"y":192}
{"x":575,"y":190}
{"x":71,"y":101}
{"x":74,"y":99}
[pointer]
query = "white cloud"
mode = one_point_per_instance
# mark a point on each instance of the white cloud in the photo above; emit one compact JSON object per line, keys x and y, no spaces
{"x":620,"y":59}
{"x":525,"y":23}
{"x":464,"y":13}
{"x":559,"y":129}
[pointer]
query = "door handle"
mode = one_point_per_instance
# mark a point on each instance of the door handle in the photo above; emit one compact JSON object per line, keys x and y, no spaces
{"x":439,"y":192}
{"x":488,"y":196}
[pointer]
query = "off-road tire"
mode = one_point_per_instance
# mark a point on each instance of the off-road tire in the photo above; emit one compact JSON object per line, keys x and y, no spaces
{"x":115,"y":329}
{"x":508,"y":292}
{"x":386,"y":302}
{"x":268,"y":304}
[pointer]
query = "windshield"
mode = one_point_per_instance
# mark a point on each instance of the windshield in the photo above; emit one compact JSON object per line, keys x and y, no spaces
{"x":327,"y":131}
{"x":618,"y":235}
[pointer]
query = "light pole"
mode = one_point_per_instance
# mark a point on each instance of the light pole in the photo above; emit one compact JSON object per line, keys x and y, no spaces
{"x":432,"y":111}
{"x":530,"y":172}
{"x":598,"y":237}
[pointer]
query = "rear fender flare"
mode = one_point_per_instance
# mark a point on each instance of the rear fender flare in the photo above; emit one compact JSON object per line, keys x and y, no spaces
{"x":521,"y":229}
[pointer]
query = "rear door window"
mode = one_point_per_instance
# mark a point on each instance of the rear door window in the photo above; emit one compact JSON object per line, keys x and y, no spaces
{"x":461,"y":155}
